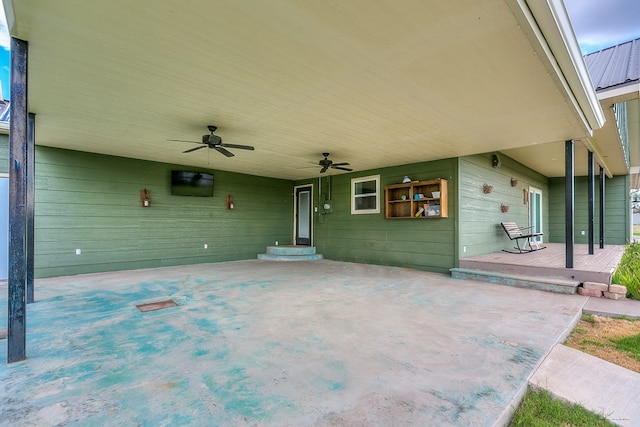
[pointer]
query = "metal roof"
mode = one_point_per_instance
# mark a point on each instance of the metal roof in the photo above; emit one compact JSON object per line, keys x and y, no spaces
{"x":615,"y":66}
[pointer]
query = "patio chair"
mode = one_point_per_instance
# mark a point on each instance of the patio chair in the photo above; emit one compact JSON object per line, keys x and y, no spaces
{"x":521,"y":233}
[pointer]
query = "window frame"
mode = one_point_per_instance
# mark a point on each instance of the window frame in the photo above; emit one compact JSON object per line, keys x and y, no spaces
{"x":358,"y":180}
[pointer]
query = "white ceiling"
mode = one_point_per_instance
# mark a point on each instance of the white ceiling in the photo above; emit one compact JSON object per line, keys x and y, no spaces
{"x":374,"y":84}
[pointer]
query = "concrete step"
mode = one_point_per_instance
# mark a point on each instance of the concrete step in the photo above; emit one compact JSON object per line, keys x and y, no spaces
{"x":290,"y":253}
{"x":550,"y":284}
{"x":291,"y":250}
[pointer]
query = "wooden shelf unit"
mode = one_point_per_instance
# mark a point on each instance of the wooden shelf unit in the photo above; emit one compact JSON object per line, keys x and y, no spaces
{"x":425,"y":206}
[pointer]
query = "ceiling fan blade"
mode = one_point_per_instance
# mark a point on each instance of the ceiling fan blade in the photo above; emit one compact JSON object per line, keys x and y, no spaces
{"x":340,"y":164}
{"x":182,"y":140}
{"x":194,"y":149}
{"x":239,"y":147}
{"x":343,"y":169}
{"x":223,"y":151}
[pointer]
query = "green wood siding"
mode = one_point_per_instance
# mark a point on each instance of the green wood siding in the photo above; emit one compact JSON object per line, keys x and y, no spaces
{"x":4,"y":153}
{"x":617,"y":210}
{"x":480,"y":214}
{"x":92,"y":202}
{"x":424,"y":244}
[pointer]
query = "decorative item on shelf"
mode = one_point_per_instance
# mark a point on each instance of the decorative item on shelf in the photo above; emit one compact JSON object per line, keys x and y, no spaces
{"x":504,"y":208}
{"x":403,"y":197}
{"x":486,"y":188}
{"x":406,"y":180}
{"x":145,"y":198}
{"x":229,"y":202}
{"x":435,"y":194}
{"x":514,"y":182}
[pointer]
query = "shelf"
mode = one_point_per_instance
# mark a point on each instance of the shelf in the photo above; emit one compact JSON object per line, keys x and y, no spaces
{"x":424,"y":207}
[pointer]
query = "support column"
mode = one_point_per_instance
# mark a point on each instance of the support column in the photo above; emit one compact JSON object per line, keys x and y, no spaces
{"x":569,"y":190}
{"x":591,"y":191}
{"x":31,"y":132}
{"x":603,"y":177}
{"x":17,"y":308}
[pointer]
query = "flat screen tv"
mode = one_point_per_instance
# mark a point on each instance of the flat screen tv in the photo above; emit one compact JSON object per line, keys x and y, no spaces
{"x":186,"y":183}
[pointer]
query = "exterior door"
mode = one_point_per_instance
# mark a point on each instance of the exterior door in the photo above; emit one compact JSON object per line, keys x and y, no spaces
{"x":303,"y":215}
{"x":535,"y":212}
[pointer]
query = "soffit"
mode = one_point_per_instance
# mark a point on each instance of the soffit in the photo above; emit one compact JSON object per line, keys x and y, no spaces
{"x":548,"y":159}
{"x":398,"y":83}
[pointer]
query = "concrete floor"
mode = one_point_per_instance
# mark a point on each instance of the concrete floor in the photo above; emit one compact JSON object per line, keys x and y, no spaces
{"x":258,"y":343}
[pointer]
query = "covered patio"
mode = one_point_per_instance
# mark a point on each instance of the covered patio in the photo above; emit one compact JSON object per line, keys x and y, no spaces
{"x":550,"y":262}
{"x":266,"y":343}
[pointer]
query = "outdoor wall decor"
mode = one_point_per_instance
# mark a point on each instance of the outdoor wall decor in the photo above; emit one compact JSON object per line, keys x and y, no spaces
{"x":525,"y":196}
{"x":514,"y":182}
{"x":504,"y":208}
{"x":486,"y":188}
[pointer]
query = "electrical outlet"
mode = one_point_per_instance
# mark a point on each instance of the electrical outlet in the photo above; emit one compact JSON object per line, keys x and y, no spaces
{"x":78,"y":251}
{"x":464,"y":249}
{"x":206,"y":246}
{"x":582,"y":232}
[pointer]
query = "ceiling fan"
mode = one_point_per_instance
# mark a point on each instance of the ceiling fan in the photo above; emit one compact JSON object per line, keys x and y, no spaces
{"x":326,"y":164}
{"x":215,"y":142}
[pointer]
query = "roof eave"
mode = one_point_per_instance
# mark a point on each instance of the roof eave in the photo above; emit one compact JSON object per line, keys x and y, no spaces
{"x":551,"y":33}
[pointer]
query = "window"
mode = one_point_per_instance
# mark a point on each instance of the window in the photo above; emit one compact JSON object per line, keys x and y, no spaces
{"x":365,"y":195}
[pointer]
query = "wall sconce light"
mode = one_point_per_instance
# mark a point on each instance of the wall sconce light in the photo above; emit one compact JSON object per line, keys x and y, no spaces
{"x":229,"y":202}
{"x":145,"y":198}
{"x":495,"y":160}
{"x":504,"y":208}
{"x":514,"y":182}
{"x":486,"y":188}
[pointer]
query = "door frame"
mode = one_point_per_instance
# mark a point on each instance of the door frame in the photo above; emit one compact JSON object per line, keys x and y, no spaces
{"x":295,"y":212}
{"x":533,"y":205}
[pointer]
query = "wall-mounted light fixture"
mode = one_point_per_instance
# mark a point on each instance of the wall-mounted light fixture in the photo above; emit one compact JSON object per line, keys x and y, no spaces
{"x":495,"y":160}
{"x":486,"y":188}
{"x":145,"y":198}
{"x":514,"y":182}
{"x":229,"y":202}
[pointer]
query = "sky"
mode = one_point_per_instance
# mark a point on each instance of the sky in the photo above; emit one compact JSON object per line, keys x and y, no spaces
{"x":602,"y":23}
{"x":597,"y":24}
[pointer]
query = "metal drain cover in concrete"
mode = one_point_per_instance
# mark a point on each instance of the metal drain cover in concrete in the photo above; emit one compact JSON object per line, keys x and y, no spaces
{"x":159,"y":305}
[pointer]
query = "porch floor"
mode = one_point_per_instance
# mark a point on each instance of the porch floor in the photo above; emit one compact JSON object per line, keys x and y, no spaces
{"x":550,"y":262}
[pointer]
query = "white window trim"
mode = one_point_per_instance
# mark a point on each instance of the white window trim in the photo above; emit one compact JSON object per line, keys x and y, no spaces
{"x":354,"y":181}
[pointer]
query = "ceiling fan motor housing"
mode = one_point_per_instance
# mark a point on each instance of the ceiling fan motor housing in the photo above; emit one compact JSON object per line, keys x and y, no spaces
{"x":211,"y":139}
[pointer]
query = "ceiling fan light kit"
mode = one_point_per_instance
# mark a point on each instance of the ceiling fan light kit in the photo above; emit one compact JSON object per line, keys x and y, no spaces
{"x":215,"y":142}
{"x":326,"y":164}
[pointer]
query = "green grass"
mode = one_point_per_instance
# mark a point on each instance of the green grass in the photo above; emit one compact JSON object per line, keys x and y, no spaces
{"x":628,"y":345}
{"x":540,"y":409}
{"x":628,"y":272}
